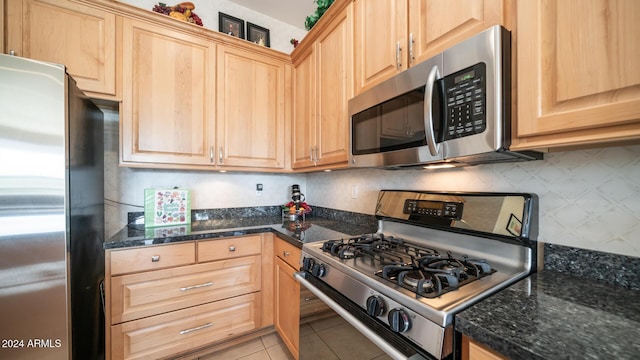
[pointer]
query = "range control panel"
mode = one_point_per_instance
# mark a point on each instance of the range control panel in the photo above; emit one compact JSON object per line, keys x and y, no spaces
{"x":439,"y":209}
{"x":465,"y":94}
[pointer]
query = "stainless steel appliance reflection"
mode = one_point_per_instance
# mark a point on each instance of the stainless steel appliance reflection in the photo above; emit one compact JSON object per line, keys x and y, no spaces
{"x":51,"y":215}
{"x":434,"y":254}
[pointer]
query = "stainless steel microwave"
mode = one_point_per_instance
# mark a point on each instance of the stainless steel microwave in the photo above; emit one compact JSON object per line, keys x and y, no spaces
{"x":454,"y":108}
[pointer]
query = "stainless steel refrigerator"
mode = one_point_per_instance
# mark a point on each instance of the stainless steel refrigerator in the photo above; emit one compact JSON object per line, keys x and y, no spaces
{"x":51,"y":215}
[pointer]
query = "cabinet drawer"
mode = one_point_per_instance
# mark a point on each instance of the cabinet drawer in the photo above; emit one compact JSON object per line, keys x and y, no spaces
{"x":167,"y":334}
{"x":288,"y":252}
{"x":225,"y":248}
{"x":145,"y":294}
{"x":151,"y":258}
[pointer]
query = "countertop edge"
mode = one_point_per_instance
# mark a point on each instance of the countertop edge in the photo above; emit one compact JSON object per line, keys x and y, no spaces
{"x":317,"y":229}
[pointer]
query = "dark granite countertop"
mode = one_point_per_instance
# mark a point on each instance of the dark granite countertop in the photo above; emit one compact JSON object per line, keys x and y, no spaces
{"x":311,"y":230}
{"x":551,"y":315}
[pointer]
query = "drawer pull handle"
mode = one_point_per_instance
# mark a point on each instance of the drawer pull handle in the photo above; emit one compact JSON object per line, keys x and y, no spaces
{"x":232,"y":248}
{"x":285,"y":253}
{"x":187,"y":288}
{"x":310,"y":298}
{"x":155,"y":258}
{"x":184,"y":332}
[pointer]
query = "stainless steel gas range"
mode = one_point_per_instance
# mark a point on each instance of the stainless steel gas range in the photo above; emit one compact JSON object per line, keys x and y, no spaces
{"x":434,"y":254}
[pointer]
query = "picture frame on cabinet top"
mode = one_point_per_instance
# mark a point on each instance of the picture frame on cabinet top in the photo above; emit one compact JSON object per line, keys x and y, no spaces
{"x":230,"y":25}
{"x":258,"y":35}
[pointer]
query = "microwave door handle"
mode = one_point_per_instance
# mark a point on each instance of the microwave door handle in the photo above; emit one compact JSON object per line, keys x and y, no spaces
{"x":434,"y":75}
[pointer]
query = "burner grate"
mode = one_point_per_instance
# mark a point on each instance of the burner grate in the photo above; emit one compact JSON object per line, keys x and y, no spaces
{"x":420,"y":269}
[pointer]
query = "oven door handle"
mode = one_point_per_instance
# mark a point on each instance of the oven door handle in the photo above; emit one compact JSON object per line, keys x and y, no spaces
{"x":375,"y":338}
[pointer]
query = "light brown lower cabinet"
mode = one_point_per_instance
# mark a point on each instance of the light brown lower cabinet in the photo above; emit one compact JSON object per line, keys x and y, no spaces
{"x":138,"y":295}
{"x":171,"y":333}
{"x":171,"y":300}
{"x":287,"y":295}
{"x":472,"y":350}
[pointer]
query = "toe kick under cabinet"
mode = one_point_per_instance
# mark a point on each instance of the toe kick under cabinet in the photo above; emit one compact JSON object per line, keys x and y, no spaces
{"x":167,"y":300}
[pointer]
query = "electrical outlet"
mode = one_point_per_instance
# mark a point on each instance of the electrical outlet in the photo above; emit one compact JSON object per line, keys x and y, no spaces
{"x":354,"y":191}
{"x":259,"y":188}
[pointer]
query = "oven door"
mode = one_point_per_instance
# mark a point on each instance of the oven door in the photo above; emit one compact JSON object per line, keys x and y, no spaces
{"x":387,"y":341}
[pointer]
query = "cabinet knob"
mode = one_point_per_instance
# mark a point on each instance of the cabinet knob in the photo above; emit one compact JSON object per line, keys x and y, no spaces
{"x":155,"y":258}
{"x":12,"y":52}
{"x":232,"y":248}
{"x":285,"y":253}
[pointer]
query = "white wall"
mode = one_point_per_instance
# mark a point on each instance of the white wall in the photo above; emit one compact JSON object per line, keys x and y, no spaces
{"x":124,"y":187}
{"x":280,"y":32}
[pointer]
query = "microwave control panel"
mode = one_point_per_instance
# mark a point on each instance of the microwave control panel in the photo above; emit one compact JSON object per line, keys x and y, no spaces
{"x":439,"y":209}
{"x":465,"y":97}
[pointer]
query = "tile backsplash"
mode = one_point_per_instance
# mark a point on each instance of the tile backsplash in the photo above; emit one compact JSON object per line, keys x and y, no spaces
{"x":589,"y":199}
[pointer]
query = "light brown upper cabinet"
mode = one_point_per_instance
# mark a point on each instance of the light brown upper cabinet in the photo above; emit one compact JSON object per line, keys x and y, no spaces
{"x":81,"y":37}
{"x":303,"y":141}
{"x":251,"y":109}
{"x":578,"y":74}
{"x":168,"y":107}
{"x":391,"y":36}
{"x":322,"y":88}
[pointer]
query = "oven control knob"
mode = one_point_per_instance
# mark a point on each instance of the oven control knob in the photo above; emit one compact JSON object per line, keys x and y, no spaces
{"x":375,"y":306}
{"x":318,"y":270}
{"x":307,"y":263}
{"x":399,"y":320}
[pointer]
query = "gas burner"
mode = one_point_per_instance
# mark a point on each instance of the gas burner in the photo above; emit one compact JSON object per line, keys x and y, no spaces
{"x":415,"y":279}
{"x":420,"y":269}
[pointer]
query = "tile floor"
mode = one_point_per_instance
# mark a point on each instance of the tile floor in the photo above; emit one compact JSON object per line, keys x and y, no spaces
{"x":326,"y":339}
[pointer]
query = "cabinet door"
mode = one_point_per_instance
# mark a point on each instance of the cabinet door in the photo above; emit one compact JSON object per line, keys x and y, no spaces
{"x":304,"y":113}
{"x":474,"y":351}
{"x":78,"y":36}
{"x":380,"y":41}
{"x":578,"y":73}
{"x":335,"y":88}
{"x":287,"y":319}
{"x":167,"y":112}
{"x":435,"y":25}
{"x":251,"y":105}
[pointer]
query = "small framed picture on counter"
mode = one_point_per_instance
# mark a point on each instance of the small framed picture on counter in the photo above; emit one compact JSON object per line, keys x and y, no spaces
{"x":258,"y":35}
{"x":230,"y":25}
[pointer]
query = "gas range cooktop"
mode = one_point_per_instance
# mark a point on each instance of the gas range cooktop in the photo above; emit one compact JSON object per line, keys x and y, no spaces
{"x":417,"y":268}
{"x":434,"y":254}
